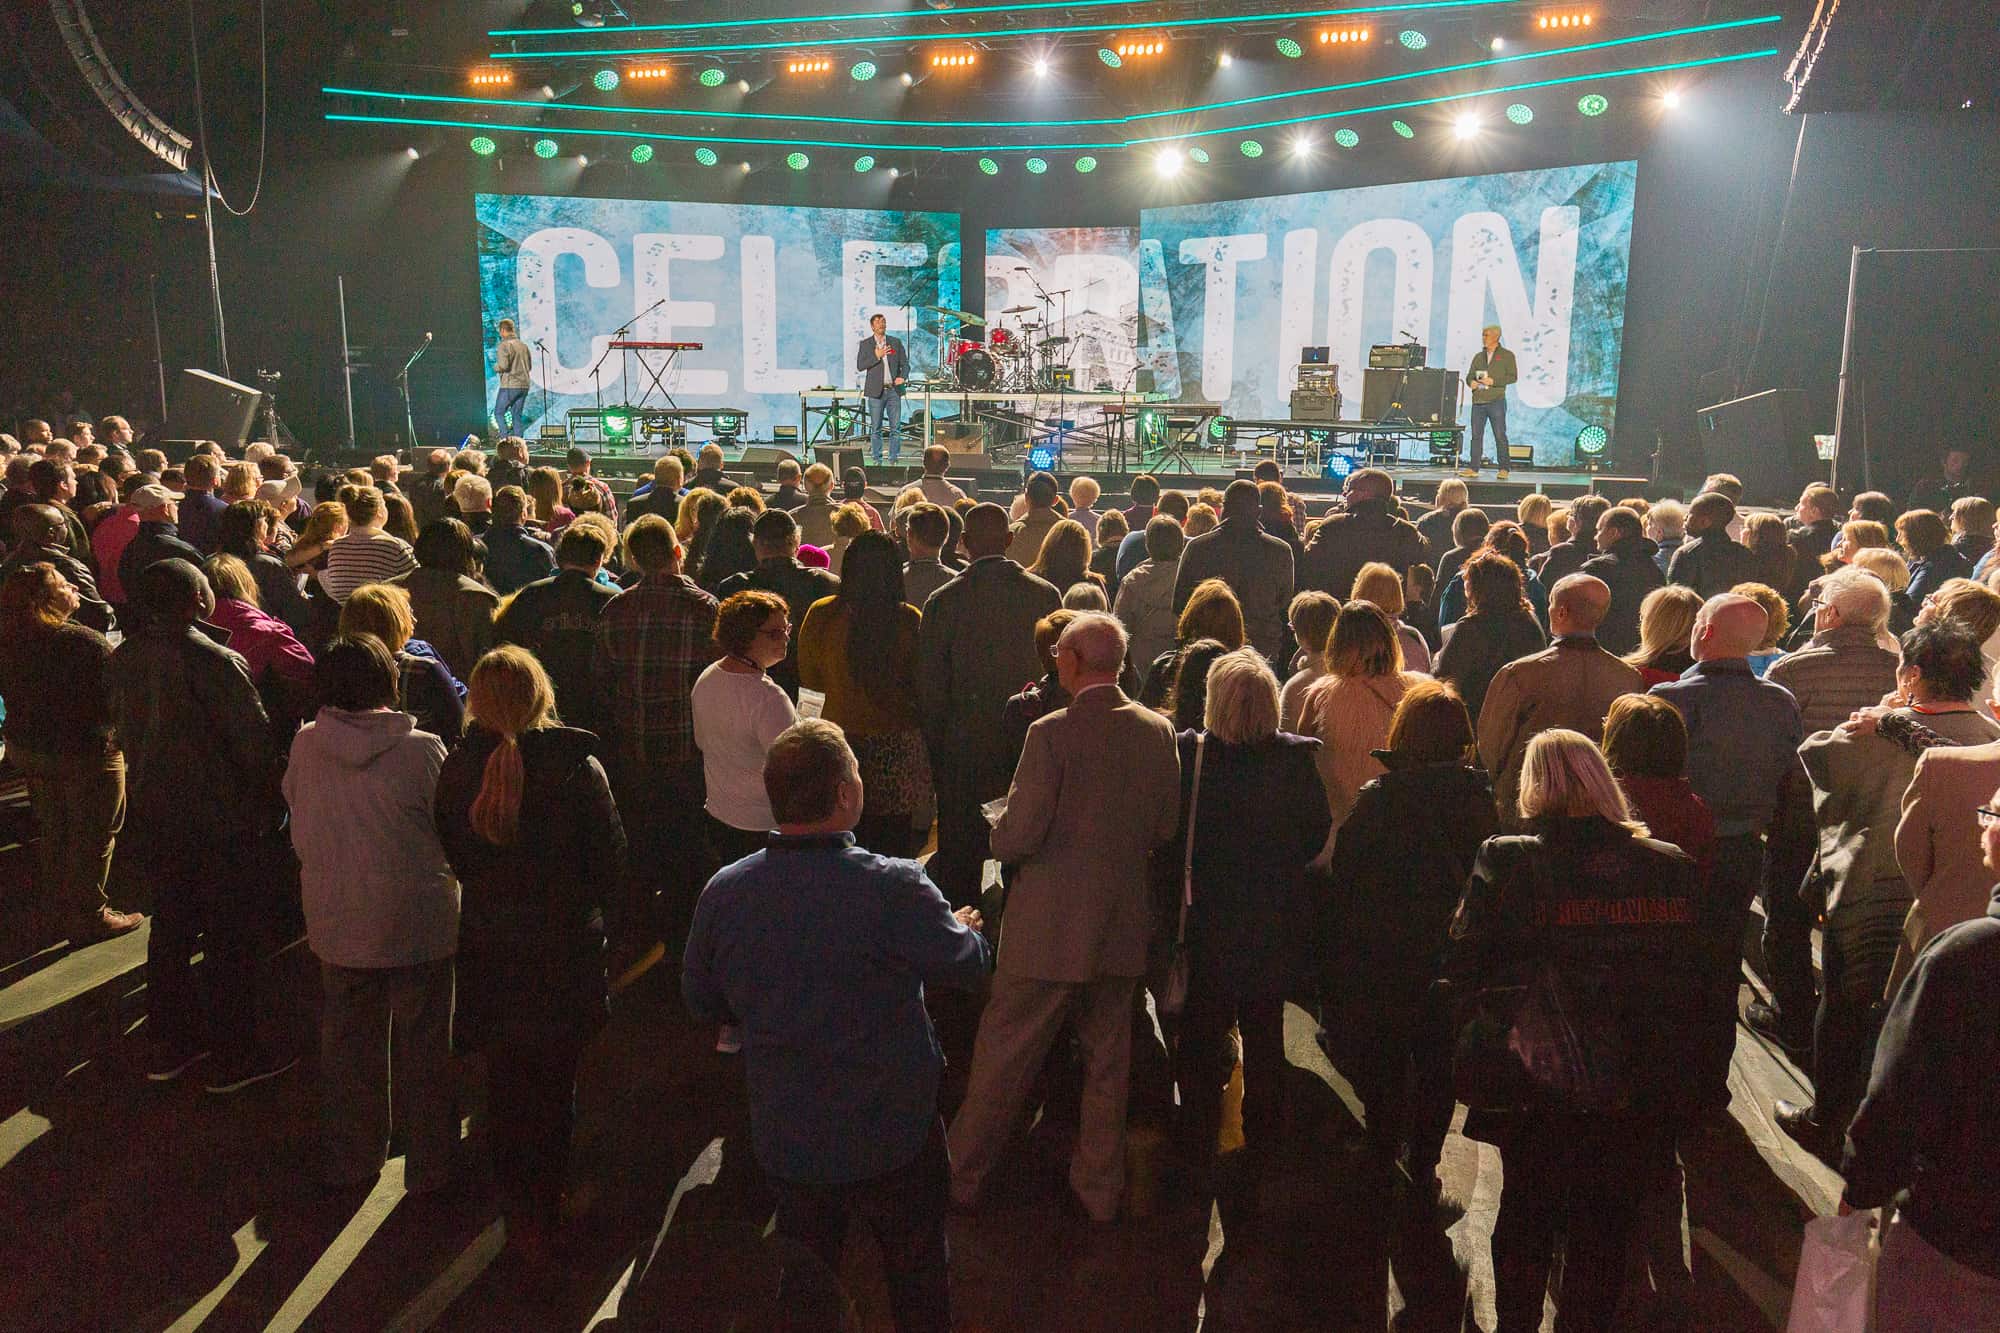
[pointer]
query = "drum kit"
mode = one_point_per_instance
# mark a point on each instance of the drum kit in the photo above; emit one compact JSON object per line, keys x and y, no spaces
{"x":1002,"y":359}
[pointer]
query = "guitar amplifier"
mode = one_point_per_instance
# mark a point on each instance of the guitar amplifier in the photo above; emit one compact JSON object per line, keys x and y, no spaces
{"x":1308,"y":406}
{"x":1425,"y":397}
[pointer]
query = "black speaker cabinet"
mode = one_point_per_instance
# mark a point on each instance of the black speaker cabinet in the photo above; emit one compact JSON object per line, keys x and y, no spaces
{"x":1427,"y":397}
{"x":209,"y":407}
{"x":1765,"y":440}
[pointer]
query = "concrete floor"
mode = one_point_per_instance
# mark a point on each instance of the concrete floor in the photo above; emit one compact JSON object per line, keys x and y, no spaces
{"x":129,"y":1206}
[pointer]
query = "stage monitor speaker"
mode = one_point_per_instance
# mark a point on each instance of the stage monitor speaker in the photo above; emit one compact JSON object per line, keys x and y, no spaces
{"x":1428,"y":397}
{"x":1765,"y":440}
{"x":209,"y":407}
{"x":763,"y":455}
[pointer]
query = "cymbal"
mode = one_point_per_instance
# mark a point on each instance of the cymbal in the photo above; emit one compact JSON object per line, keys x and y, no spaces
{"x":1017,"y":310}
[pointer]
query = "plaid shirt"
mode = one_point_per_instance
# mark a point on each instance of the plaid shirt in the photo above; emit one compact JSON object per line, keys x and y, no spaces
{"x":652,"y":641}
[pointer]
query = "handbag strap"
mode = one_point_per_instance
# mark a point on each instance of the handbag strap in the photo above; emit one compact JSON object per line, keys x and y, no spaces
{"x":1187,"y":856}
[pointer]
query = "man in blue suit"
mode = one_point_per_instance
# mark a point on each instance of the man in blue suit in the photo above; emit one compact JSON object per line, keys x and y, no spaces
{"x":885,"y":367}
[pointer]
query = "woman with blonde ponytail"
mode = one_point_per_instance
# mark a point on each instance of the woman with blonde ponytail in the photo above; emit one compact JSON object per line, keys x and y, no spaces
{"x":533,"y":835}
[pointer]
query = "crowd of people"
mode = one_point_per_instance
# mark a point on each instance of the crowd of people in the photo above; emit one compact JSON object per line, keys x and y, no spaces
{"x":1494,"y":797}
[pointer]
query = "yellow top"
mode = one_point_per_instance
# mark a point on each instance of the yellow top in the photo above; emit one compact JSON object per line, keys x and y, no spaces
{"x":860,"y":708}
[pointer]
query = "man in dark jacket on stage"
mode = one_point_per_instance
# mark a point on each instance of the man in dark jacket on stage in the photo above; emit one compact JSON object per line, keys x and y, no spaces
{"x":1368,"y":531}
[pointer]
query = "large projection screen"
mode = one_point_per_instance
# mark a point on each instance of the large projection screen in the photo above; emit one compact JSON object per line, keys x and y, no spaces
{"x":778,"y":297}
{"x":1544,"y":254}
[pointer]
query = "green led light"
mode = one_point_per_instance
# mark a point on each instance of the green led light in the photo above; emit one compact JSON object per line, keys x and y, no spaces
{"x":1520,"y":113}
{"x":1289,"y":49}
{"x":1346,"y":138}
{"x":797,"y":161}
{"x":1086,"y":165}
{"x":864,"y":163}
{"x":989,"y":167}
{"x":1593,"y":104}
{"x":1036,"y":166}
{"x":484,"y":146}
{"x":862,"y":71}
{"x":604,"y":80}
{"x":642,"y":153}
{"x":1402,"y":129}
{"x":711,"y":78}
{"x":1412,"y":40}
{"x":705,"y":156}
{"x":545,"y":148}
{"x":1110,"y":57}
{"x":1250,"y":148}
{"x":1198,"y":155}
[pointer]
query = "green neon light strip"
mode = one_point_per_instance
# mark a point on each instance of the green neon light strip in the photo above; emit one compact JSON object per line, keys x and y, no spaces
{"x":879,"y":147}
{"x":1200,"y":109}
{"x":905,"y":15}
{"x":905,"y":38}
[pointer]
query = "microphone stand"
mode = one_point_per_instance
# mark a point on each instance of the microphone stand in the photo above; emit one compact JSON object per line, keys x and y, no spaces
{"x":403,"y":379}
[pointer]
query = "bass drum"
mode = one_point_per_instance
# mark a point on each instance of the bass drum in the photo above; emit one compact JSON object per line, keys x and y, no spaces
{"x":975,"y":370}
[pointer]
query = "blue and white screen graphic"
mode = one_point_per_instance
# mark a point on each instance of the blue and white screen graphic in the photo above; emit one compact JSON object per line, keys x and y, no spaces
{"x":1543,"y":254}
{"x":778,"y":297}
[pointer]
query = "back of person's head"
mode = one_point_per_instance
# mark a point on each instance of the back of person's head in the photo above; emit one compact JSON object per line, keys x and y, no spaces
{"x":381,"y":609}
{"x":1645,"y":737}
{"x":928,"y":525}
{"x":1164,"y":538}
{"x":650,"y":545}
{"x":1946,"y":658}
{"x":1859,"y":597}
{"x":1240,"y":500}
{"x":355,"y":673}
{"x":1564,"y":776}
{"x":936,"y":459}
{"x":1312,"y":615}
{"x":32,"y":599}
{"x":1493,"y":582}
{"x":987,"y":530}
{"x":1507,"y":538}
{"x":1381,"y":584}
{"x":582,"y":546}
{"x":804,"y":771}
{"x":1532,"y":509}
{"x":446,"y":544}
{"x":1431,"y":725}
{"x":1923,"y":533}
{"x":742,"y":617}
{"x":1098,"y":640}
{"x":1972,"y":515}
{"x":509,"y":695}
{"x":1242,"y":703}
{"x":1211,"y":612}
{"x":1875,"y":507}
{"x":1451,"y":494}
{"x":1364,"y":642}
{"x":1469,"y":528}
{"x":1724,"y":484}
{"x":1712,"y":511}
{"x":1964,"y":602}
{"x":1729,"y":626}
{"x":1777,"y":613}
{"x":1145,"y":489}
{"x":230,"y":577}
{"x":511,"y":504}
{"x":1885,"y":565}
{"x":170,"y":592}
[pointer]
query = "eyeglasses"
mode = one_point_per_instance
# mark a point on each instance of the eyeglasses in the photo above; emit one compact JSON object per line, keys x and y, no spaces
{"x":1987,"y":818}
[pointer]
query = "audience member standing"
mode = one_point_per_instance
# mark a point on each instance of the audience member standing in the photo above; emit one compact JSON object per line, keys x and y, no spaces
{"x":738,"y":711}
{"x":1256,"y":566}
{"x":859,"y":648}
{"x":1498,"y":627}
{"x":1612,"y":920}
{"x":1570,"y":684}
{"x":775,"y":537}
{"x":1400,"y":863}
{"x":1711,"y":561}
{"x":59,"y":734}
{"x":1628,"y":568}
{"x":1094,"y":795}
{"x":1252,"y":819}
{"x":1368,"y":531}
{"x":976,"y":647}
{"x":182,"y":705}
{"x":822,"y":952}
{"x":381,"y":911}
{"x":529,"y":827}
{"x":556,"y":619}
{"x":652,"y":641}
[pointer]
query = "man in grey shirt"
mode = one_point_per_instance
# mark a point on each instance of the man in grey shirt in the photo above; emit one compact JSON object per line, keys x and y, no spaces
{"x":511,"y":362}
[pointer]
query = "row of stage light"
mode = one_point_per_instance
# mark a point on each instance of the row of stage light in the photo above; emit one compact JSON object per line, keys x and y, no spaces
{"x":1166,"y":162}
{"x":960,"y":59}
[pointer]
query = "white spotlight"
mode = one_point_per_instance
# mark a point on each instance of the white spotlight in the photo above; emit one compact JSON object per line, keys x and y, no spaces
{"x":1499,"y":44}
{"x":1465,"y":126}
{"x":1168,"y":163}
{"x":1222,"y":61}
{"x":1672,"y":99}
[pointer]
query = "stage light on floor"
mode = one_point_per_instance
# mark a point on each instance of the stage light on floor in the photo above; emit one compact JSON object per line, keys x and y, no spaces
{"x":642,"y":153}
{"x":988,"y":167}
{"x":1593,"y":104}
{"x":705,"y":156}
{"x":604,"y":80}
{"x":711,"y":78}
{"x":1466,"y":126}
{"x":1346,"y":138}
{"x":1671,"y":99}
{"x":1036,"y":166}
{"x":546,"y":149}
{"x":1520,"y":113}
{"x":1167,"y":162}
{"x":1290,"y":49}
{"x":797,"y":161}
{"x":1402,"y":128}
{"x":484,"y":146}
{"x":861,"y":71}
{"x":1412,"y":40}
{"x":864,"y":163}
{"x":1250,"y":148}
{"x":1085,"y":165}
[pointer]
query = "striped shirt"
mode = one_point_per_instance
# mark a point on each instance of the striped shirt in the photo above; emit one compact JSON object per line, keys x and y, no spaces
{"x":364,"y":557}
{"x":652,"y":642}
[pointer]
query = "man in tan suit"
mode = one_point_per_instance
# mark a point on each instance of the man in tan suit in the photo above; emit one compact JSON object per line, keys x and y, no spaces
{"x":1937,"y":844}
{"x":1098,"y":788}
{"x":1569,"y":684}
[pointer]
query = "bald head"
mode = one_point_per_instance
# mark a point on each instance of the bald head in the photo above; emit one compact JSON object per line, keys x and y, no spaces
{"x":986,"y":531}
{"x":1728,"y":626}
{"x":1577,"y":604}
